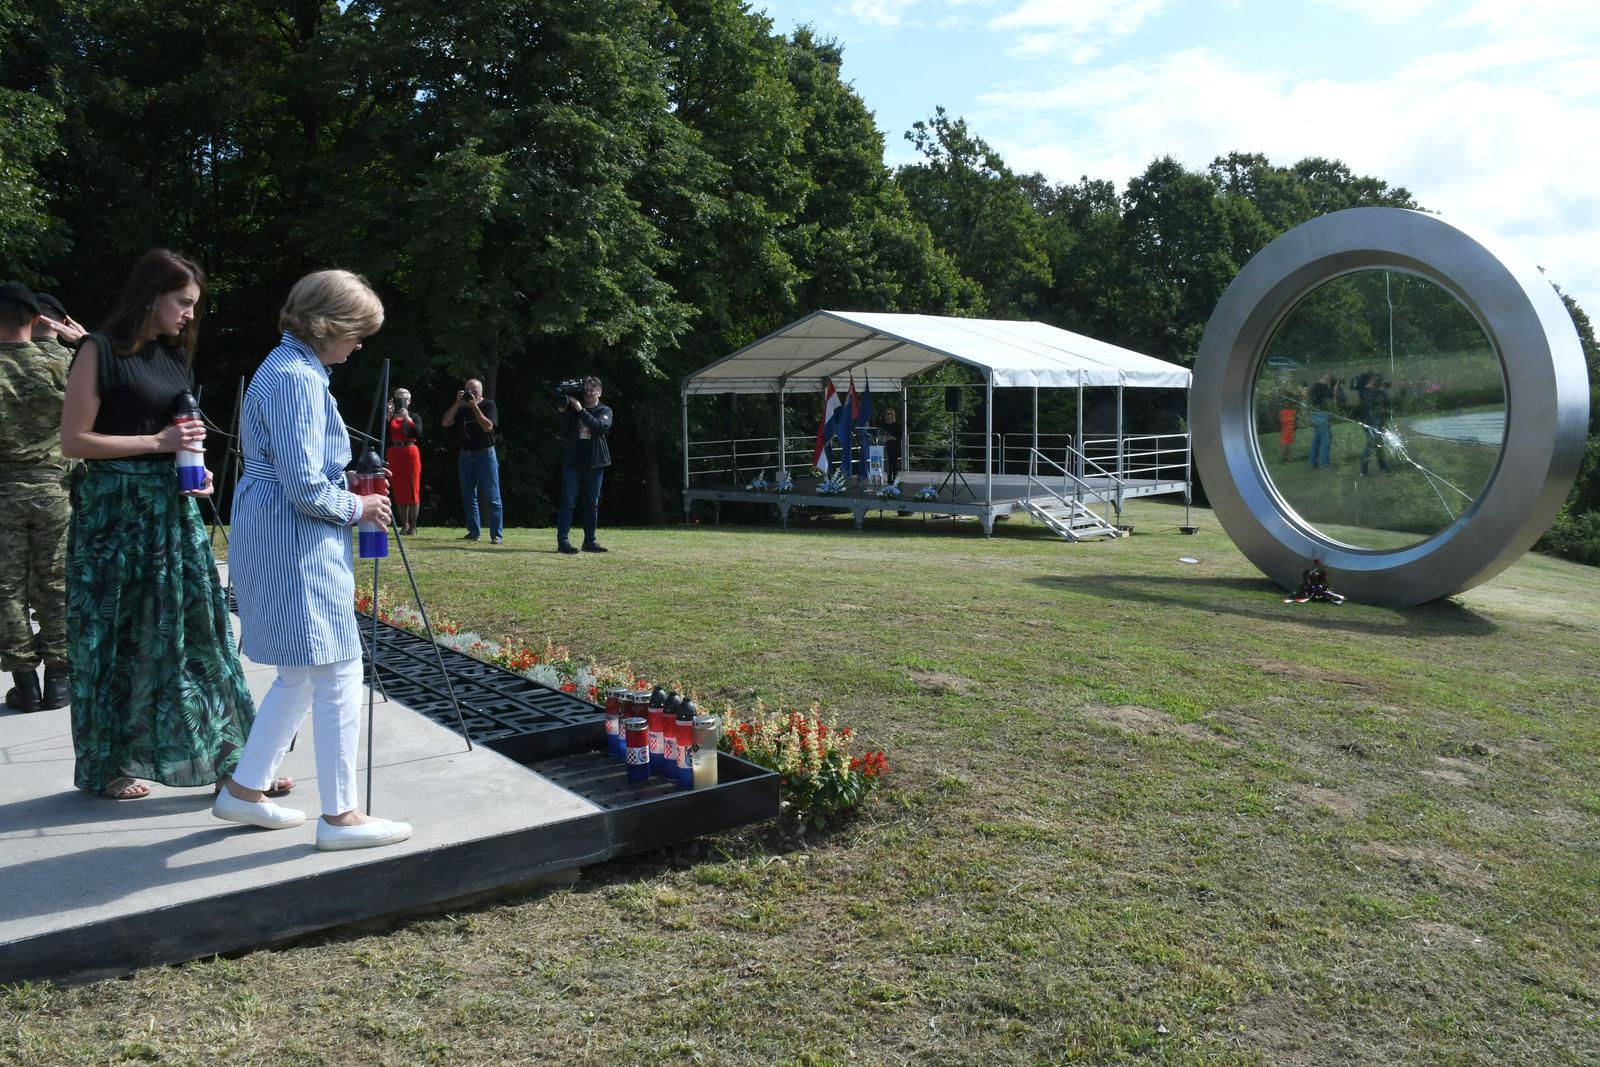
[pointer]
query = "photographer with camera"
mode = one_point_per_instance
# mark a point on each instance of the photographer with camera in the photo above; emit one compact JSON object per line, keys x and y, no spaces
{"x":585,"y":423}
{"x":478,"y":466}
{"x":1373,"y":414}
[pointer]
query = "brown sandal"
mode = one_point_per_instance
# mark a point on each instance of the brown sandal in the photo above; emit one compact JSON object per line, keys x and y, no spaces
{"x":125,"y":788}
{"x":281,"y":788}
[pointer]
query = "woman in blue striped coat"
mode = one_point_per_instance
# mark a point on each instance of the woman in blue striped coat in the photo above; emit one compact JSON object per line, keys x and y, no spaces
{"x":291,"y":567}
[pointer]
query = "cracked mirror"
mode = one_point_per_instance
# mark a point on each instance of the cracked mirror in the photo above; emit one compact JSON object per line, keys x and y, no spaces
{"x":1379,"y":410}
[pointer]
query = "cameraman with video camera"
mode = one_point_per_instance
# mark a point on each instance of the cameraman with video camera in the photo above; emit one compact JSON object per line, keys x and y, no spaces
{"x":585,"y":424}
{"x":477,"y":465}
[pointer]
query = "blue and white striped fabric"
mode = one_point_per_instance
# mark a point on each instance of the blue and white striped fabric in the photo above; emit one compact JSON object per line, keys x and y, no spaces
{"x":289,"y":550}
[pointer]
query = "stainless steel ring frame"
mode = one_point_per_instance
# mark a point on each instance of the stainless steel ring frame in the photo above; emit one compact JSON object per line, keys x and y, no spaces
{"x":1547,"y":403}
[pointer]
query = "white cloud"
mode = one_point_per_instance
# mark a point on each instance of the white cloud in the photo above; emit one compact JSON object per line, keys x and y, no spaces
{"x":1512,"y":155}
{"x":1080,"y":16}
{"x":1073,"y":28}
{"x":1500,"y":16}
{"x":1384,"y":12}
{"x":880,"y":12}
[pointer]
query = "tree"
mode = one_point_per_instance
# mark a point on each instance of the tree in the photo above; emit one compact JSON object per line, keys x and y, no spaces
{"x":856,"y":241}
{"x":978,"y":212}
{"x":30,"y":233}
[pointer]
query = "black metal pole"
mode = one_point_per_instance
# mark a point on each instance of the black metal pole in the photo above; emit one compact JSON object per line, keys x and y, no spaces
{"x":427,"y":626}
{"x":372,"y":687}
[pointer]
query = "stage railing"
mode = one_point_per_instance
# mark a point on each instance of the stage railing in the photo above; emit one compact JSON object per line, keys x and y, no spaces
{"x":737,"y":460}
{"x":1153,"y":457}
{"x":1160,"y":457}
{"x":930,"y":452}
{"x":1016,"y":451}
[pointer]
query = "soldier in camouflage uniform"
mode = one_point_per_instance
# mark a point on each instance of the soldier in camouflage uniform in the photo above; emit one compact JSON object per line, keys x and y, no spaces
{"x":33,"y":498}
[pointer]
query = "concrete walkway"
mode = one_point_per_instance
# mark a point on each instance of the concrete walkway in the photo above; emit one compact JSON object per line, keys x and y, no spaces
{"x":76,"y":869}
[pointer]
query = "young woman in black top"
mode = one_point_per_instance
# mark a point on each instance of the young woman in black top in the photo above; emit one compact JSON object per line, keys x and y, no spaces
{"x":157,"y":690}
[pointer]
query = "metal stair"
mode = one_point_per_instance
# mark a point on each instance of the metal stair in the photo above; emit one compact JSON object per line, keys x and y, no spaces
{"x":1065,"y":511}
{"x":1069,"y":518}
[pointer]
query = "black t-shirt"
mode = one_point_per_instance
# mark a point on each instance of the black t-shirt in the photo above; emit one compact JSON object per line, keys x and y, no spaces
{"x":138,"y":392}
{"x":473,"y":437}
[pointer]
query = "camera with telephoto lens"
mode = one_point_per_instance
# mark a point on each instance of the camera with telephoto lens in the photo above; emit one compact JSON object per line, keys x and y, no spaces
{"x":573,"y":388}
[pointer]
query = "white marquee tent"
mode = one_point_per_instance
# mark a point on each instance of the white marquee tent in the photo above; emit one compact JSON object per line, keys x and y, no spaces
{"x":892,"y":348}
{"x":888,"y":349}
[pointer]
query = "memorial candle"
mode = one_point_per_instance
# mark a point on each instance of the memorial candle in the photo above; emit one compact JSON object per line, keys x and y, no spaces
{"x":656,"y":713}
{"x":637,"y":732}
{"x":683,"y":727}
{"x":616,"y":745}
{"x":669,"y":734}
{"x":707,"y":731}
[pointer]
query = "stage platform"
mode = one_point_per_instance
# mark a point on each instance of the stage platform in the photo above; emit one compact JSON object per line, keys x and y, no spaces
{"x":92,"y":888}
{"x":968,"y":499}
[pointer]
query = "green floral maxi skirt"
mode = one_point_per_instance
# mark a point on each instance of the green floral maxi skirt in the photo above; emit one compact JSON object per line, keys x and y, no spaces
{"x":157,"y":690}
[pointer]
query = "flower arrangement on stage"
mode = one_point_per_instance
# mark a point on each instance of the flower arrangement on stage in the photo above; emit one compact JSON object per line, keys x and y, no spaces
{"x":927,"y":492}
{"x":821,"y":779}
{"x":890,"y":491}
{"x":758,"y":484}
{"x":785,"y":481}
{"x":833,"y":484}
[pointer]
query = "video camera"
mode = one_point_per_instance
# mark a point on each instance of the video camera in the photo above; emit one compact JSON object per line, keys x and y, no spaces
{"x":572,"y":388}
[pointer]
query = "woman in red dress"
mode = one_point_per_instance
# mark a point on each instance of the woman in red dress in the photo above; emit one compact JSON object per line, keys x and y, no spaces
{"x":405,"y":462}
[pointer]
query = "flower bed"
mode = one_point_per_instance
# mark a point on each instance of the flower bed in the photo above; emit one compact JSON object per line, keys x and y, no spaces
{"x":821,"y":779}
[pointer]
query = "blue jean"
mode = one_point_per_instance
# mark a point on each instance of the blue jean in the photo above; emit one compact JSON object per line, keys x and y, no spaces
{"x":480,"y":471}
{"x":572,"y":478}
{"x":1321,"y":439}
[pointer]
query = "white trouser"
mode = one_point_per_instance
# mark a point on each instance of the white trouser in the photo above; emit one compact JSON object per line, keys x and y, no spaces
{"x":332,"y":693}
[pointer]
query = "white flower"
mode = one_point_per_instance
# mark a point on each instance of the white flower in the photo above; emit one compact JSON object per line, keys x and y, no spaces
{"x":544,"y":674}
{"x":459,"y":642}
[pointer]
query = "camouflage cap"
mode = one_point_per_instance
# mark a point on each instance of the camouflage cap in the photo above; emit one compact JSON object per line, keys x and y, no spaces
{"x":18,"y":293}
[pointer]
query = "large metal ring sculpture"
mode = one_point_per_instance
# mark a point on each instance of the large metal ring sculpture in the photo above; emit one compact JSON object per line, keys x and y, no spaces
{"x":1546,"y":387}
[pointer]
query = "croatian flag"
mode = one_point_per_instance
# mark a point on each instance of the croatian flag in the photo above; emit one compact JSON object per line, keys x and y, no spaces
{"x":830,"y":407}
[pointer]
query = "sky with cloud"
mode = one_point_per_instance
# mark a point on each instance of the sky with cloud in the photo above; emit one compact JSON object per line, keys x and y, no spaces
{"x":1488,"y":111}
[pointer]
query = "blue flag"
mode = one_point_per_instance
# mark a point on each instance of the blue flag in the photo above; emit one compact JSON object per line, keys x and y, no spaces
{"x":863,"y":421}
{"x":844,"y":430}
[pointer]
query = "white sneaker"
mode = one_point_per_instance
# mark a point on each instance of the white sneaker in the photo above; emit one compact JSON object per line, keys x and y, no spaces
{"x":265,"y":814}
{"x":370,"y":834}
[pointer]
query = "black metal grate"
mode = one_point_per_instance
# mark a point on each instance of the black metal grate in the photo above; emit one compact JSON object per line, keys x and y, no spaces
{"x":603,"y":780}
{"x":501,"y":709}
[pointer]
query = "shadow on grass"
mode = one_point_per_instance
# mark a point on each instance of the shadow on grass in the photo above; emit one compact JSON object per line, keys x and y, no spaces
{"x":1262,"y":599}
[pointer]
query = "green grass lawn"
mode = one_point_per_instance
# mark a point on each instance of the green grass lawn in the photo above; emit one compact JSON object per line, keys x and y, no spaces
{"x":1140,"y":811}
{"x":1382,"y":510}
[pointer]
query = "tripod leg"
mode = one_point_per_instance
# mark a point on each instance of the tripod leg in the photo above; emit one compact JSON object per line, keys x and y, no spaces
{"x":428,"y":628}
